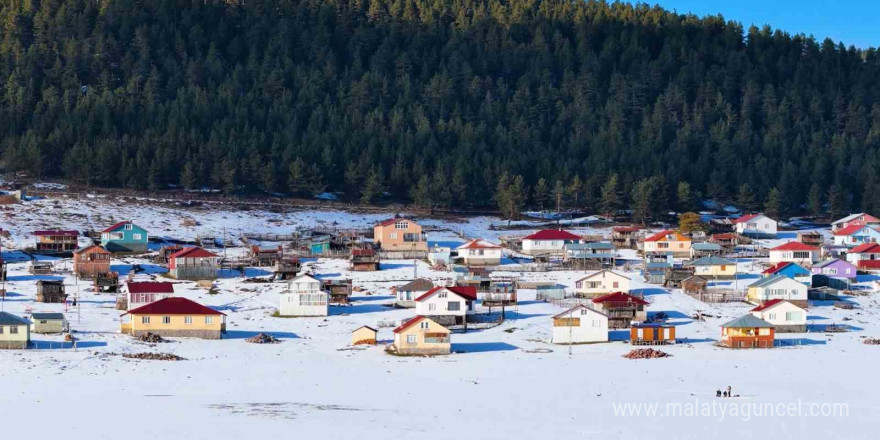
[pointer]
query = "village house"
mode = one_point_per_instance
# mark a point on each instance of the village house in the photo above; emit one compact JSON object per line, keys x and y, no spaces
{"x":421,"y":336}
{"x":303,"y":297}
{"x":625,"y":237}
{"x":865,"y":256}
{"x":447,"y":305}
{"x":673,"y":276}
{"x":667,"y":242}
{"x":747,"y":331}
{"x":265,"y":256}
{"x":140,"y":293}
{"x":810,"y":238}
{"x":124,"y":237}
{"x":501,"y":293}
{"x":855,"y":219}
{"x":364,"y":260}
{"x":652,"y":334}
{"x":755,"y":225}
{"x":548,"y":241}
{"x":695,"y":286}
{"x":835,"y":268}
{"x":791,"y":270}
{"x":783,"y":315}
{"x":194,"y":264}
{"x":406,"y":294}
{"x":622,"y":309}
{"x":777,"y":287}
{"x":48,"y":323}
{"x":15,"y":332}
{"x":56,"y":241}
{"x":174,"y":317}
{"x":600,"y":283}
{"x":480,"y":252}
{"x":286,"y":268}
{"x":50,"y":291}
{"x":714,"y":268}
{"x":580,"y":325}
{"x":339,"y":290}
{"x":400,"y":234}
{"x":854,"y":235}
{"x":90,"y":261}
{"x":440,"y":255}
{"x":794,"y":252}
{"x":705,"y":249}
{"x":727,"y":240}
{"x":364,"y":335}
{"x":592,"y":256}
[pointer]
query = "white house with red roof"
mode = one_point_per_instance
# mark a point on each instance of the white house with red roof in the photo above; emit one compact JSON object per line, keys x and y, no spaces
{"x":855,"y":234}
{"x":304,"y":297}
{"x":193,"y":263}
{"x":667,"y":242}
{"x":756,"y":225}
{"x":794,"y":252}
{"x":449,"y":305}
{"x":548,"y":241}
{"x":855,"y":219}
{"x":140,"y":293}
{"x":783,"y":314}
{"x":580,"y":325}
{"x":480,"y":252}
{"x":865,"y":256}
{"x":600,"y":283}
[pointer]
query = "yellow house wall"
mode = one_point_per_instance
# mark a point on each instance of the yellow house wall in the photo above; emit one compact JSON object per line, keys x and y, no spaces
{"x":433,"y":327}
{"x":177,"y":323}
{"x":23,"y":334}
{"x":362,"y":334}
{"x":383,"y":235}
{"x":729,"y":270}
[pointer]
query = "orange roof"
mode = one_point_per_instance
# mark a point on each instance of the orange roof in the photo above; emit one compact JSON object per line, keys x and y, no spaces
{"x":661,"y":236}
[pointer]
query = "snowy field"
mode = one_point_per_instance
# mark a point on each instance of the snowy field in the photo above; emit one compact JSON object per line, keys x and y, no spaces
{"x":507,"y":382}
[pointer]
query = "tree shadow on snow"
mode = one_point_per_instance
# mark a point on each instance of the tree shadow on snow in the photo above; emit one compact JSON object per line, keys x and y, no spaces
{"x":482,"y":347}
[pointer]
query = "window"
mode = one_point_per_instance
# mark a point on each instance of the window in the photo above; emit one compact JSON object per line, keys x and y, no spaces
{"x":188,"y":320}
{"x":424,"y":324}
{"x":442,"y":295}
{"x":136,"y":236}
{"x":410,"y":339}
{"x":772,"y":316}
{"x":454,"y":306}
{"x":166,"y":320}
{"x":209,"y":319}
{"x":1,"y":329}
{"x":145,"y":319}
{"x":393,"y":236}
{"x":401,"y":225}
{"x":13,"y":329}
{"x":432,"y":307}
{"x":583,"y":312}
{"x":615,"y":284}
{"x":792,"y":316}
{"x":116,"y":235}
{"x":578,"y":284}
{"x":763,"y":331}
{"x":128,"y":227}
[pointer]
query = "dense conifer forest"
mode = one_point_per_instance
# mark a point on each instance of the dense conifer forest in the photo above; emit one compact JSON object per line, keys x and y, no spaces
{"x":455,"y":103}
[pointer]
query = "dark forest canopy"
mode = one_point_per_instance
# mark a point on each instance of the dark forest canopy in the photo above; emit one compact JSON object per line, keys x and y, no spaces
{"x":456,"y":103}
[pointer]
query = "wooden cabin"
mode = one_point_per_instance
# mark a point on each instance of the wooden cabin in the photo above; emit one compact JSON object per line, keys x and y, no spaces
{"x":166,"y":251}
{"x":501,"y":293}
{"x":50,"y":291}
{"x":652,"y":334}
{"x":193,"y":263}
{"x":41,"y":268}
{"x":287,"y":268}
{"x":264,"y":257}
{"x":106,"y":282}
{"x":56,"y":240}
{"x":338,"y":291}
{"x":364,"y":260}
{"x":622,"y":309}
{"x":810,"y":238}
{"x":90,"y":261}
{"x":364,"y":335}
{"x":625,"y":237}
{"x":695,"y":285}
{"x":747,"y":331}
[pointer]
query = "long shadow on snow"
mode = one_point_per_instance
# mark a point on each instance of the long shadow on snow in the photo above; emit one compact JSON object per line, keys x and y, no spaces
{"x":793,"y":342}
{"x":34,"y":278}
{"x":482,"y":347}
{"x":386,"y":266}
{"x":695,"y":340}
{"x":244,"y":334}
{"x":59,"y":345}
{"x":357,"y":309}
{"x":651,"y":291}
{"x":372,"y":298}
{"x":672,"y":314}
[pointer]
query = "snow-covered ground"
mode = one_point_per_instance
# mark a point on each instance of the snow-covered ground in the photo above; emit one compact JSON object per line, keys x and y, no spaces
{"x":506,"y":382}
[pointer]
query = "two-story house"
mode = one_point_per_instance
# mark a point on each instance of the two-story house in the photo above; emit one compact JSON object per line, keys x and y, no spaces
{"x":400,"y":234}
{"x":124,"y":237}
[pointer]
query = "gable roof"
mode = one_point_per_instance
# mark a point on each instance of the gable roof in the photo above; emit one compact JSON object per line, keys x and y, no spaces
{"x":467,"y":292}
{"x":570,"y":311}
{"x":866,"y":248}
{"x":706,"y":246}
{"x":782,"y":266}
{"x":619,"y":297}
{"x":417,"y":285}
{"x":772,"y":279}
{"x":661,"y":236}
{"x":57,"y":233}
{"x":772,"y":303}
{"x":85,"y":248}
{"x":822,"y":264}
{"x":413,"y":321}
{"x":149,"y":287}
{"x":304,"y":276}
{"x":479,"y":244}
{"x":748,"y":321}
{"x":173,"y":306}
{"x":192,"y":252}
{"x":795,"y":246}
{"x":118,"y":225}
{"x":851,"y":229}
{"x":366,"y":327}
{"x":710,"y":261}
{"x":748,"y":217}
{"x":48,"y":316}
{"x":7,"y":318}
{"x":604,"y":271}
{"x":394,"y":220}
{"x":552,"y":234}
{"x":868,"y":218}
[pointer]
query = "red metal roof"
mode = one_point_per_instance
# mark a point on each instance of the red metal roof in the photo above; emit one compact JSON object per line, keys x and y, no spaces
{"x":192,"y":252}
{"x":850,"y":229}
{"x":795,"y":246}
{"x":150,"y":287}
{"x":173,"y":306}
{"x":57,"y":233}
{"x":767,"y":304}
{"x":869,"y":264}
{"x":552,"y":234}
{"x":619,"y":297}
{"x":479,"y":244}
{"x":467,"y":292}
{"x":866,"y":248}
{"x":116,"y":226}
{"x":776,"y":268}
{"x":746,"y":218}
{"x":408,"y":323}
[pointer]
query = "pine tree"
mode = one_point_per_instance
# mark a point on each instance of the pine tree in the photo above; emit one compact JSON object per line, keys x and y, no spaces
{"x":836,"y":201}
{"x":188,"y":176}
{"x":610,"y":202}
{"x":773,"y":204}
{"x":814,"y":200}
{"x":684,"y":196}
{"x":373,"y":187}
{"x":559,"y":195}
{"x":745,"y":199}
{"x":575,"y":188}
{"x":541,"y":193}
{"x":297,"y":177}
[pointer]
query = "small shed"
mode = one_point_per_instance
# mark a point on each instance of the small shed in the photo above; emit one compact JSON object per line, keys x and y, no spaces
{"x":46,"y":323}
{"x":50,"y":291}
{"x":364,"y":335}
{"x":652,"y":334}
{"x":695,"y":285}
{"x":364,"y":260}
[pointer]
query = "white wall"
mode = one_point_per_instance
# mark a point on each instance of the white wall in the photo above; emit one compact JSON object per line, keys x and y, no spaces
{"x":439,"y":306}
{"x":593,"y":328}
{"x":606,"y":280}
{"x":777,"y":314}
